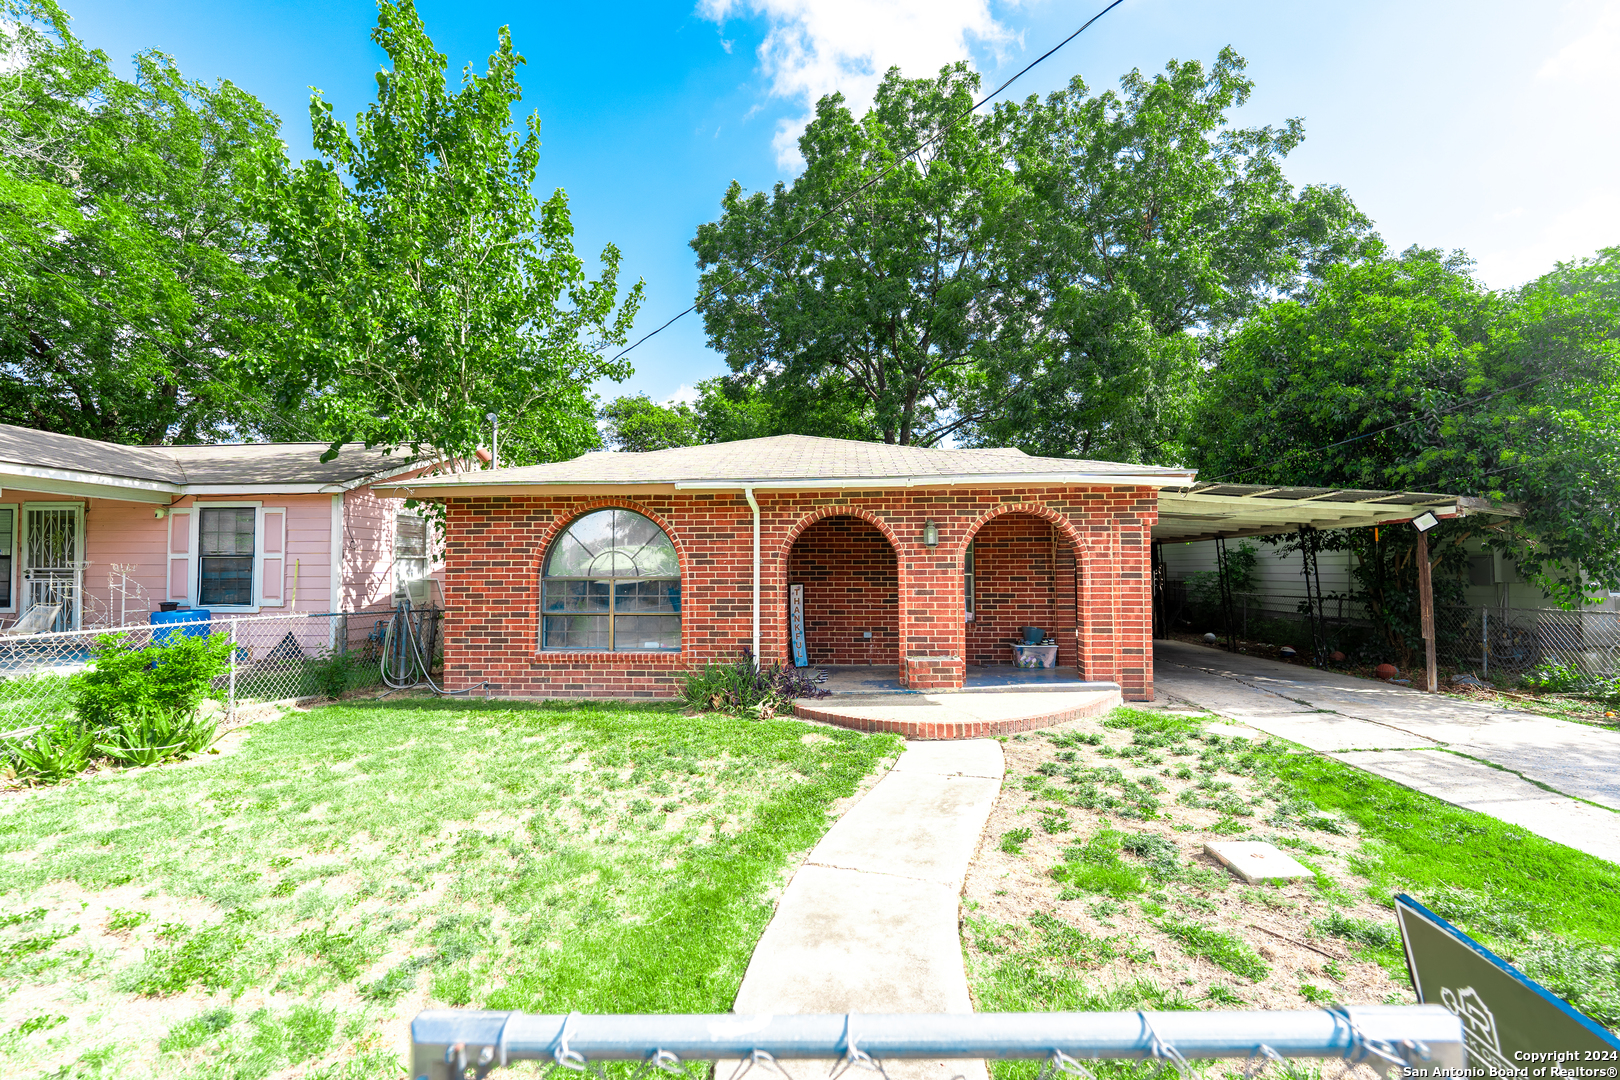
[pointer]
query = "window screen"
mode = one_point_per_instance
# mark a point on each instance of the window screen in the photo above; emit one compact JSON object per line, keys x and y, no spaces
{"x":411,"y":559}
{"x":225,"y":537}
{"x":611,"y":581}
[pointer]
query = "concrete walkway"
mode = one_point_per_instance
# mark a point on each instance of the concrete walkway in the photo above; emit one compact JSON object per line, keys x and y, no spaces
{"x":1494,"y":760}
{"x":869,"y":922}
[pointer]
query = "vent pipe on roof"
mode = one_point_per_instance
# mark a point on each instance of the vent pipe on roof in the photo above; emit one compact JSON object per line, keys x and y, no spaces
{"x":748,"y":493}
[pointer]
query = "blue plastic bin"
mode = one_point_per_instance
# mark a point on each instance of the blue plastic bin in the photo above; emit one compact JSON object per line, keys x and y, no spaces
{"x":193,"y":622}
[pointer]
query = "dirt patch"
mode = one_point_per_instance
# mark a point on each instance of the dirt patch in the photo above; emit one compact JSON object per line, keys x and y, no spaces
{"x":1093,"y":861}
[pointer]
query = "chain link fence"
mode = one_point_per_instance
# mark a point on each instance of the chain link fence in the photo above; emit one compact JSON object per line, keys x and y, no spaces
{"x":276,"y":659}
{"x":1563,"y":646}
{"x":1495,"y":643}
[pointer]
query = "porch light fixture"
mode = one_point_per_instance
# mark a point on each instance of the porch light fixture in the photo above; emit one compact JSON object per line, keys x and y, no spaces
{"x":1425,"y":521}
{"x":930,"y":535}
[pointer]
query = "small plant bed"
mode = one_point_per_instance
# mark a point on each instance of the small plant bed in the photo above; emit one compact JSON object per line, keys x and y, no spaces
{"x":286,"y":908}
{"x":1091,"y":888}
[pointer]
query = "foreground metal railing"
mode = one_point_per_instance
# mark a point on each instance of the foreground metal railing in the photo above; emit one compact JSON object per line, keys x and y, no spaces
{"x":456,"y":1043}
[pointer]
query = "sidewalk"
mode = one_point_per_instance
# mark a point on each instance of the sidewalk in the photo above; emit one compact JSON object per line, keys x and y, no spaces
{"x":869,"y":922}
{"x":1497,"y":761}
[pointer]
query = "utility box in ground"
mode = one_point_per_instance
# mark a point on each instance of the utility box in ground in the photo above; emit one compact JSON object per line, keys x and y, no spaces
{"x":1256,"y":862}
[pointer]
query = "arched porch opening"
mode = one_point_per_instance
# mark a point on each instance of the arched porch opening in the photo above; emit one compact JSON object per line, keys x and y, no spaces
{"x":1019,"y":569}
{"x":850,"y":576}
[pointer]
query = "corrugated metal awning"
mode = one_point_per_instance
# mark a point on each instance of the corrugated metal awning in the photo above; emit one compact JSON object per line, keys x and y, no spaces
{"x":1213,"y":509}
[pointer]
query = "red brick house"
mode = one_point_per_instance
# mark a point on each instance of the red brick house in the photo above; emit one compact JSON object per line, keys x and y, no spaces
{"x":609,"y":574}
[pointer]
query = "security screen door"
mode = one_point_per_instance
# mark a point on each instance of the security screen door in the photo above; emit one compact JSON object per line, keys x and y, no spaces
{"x":53,"y":565}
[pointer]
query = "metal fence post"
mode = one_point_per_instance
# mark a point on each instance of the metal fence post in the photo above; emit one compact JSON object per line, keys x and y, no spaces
{"x":1485,"y":641}
{"x":230,"y":698}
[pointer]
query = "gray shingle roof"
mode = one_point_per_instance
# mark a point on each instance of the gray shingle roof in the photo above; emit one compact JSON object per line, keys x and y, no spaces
{"x":799,"y":459}
{"x":244,"y":464}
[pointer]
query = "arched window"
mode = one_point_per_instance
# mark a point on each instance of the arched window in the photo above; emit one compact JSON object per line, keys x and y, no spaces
{"x":611,"y":581}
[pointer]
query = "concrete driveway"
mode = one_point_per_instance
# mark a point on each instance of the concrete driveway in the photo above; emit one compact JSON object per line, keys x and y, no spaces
{"x":1540,"y":773}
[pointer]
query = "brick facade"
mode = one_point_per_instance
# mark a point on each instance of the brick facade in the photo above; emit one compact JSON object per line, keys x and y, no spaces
{"x":851,"y":582}
{"x":496,"y":543}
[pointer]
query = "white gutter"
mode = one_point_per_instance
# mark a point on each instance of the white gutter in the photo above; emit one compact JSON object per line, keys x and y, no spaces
{"x":748,"y":493}
{"x":975,"y":479}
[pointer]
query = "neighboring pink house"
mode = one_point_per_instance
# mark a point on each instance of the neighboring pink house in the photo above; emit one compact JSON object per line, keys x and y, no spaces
{"x":110,"y":532}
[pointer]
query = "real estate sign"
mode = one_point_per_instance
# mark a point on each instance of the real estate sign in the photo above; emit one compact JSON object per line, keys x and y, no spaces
{"x":1511,"y":1026}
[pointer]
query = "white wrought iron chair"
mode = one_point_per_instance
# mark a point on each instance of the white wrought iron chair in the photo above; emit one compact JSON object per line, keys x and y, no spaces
{"x":36,"y":620}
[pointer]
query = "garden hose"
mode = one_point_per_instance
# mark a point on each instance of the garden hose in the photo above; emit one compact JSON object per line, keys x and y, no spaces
{"x":409,"y":669}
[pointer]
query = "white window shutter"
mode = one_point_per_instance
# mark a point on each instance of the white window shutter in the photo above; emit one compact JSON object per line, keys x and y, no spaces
{"x":273,"y":557}
{"x":179,"y":587}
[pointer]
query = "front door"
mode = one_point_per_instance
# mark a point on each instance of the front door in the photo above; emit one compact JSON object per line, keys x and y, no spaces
{"x":53,"y":561}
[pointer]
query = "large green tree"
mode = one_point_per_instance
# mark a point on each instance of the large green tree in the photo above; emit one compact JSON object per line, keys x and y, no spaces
{"x":1037,"y":275}
{"x":131,"y":273}
{"x":884,"y":306}
{"x":425,"y":284}
{"x":1407,"y":373}
{"x":1151,"y":220}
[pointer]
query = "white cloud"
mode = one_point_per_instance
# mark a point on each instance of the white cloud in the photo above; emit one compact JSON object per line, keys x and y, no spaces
{"x":1571,"y":232}
{"x":1589,"y":59}
{"x":816,"y":47}
{"x":683,"y":395}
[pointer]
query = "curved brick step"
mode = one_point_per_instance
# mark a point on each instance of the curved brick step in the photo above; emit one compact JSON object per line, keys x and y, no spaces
{"x":956,"y":715}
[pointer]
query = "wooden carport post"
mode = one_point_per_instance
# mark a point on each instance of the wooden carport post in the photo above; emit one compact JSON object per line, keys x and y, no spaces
{"x":1431,"y":677}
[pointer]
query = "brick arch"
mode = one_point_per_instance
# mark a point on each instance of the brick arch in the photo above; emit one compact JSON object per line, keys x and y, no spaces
{"x":824,"y":512}
{"x":778,"y":571}
{"x":566,"y":517}
{"x":1059,"y":521}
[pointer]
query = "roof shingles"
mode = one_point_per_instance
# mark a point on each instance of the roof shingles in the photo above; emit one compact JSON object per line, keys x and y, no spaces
{"x":799,"y":458}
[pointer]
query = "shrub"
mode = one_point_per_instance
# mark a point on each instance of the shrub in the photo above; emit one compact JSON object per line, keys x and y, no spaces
{"x":744,"y":686}
{"x":1555,"y":678}
{"x":331,"y":676}
{"x":138,"y":705}
{"x":169,"y":678}
{"x":52,"y":754}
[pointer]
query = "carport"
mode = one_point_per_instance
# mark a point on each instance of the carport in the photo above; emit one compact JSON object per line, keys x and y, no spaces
{"x":1220,"y":512}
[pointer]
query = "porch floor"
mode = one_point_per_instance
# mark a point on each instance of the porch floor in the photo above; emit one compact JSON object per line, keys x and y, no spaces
{"x":989,"y":679}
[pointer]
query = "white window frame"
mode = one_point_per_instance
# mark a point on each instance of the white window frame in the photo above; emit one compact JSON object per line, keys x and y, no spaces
{"x":427,"y":547}
{"x":16,"y":554}
{"x":195,"y":584}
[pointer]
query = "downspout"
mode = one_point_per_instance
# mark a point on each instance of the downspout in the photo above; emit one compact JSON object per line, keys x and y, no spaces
{"x":748,"y":493}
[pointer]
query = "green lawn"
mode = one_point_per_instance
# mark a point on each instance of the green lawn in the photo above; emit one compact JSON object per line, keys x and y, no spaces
{"x":294,"y":901}
{"x":1131,"y":915}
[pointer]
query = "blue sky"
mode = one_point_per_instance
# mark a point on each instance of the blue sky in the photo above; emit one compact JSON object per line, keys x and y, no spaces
{"x":1474,"y":124}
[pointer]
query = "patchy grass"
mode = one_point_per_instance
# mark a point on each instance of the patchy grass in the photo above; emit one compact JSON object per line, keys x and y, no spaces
{"x":1127,"y":909}
{"x":292,"y":904}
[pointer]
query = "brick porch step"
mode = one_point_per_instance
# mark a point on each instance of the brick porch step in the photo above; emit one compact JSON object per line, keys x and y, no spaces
{"x":956,"y":715}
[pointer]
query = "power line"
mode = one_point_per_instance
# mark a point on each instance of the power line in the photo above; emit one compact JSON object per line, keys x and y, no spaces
{"x":864,"y":187}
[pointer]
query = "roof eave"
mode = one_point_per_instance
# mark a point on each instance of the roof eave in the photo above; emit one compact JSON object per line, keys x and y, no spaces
{"x":447,"y":488}
{"x":85,"y":484}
